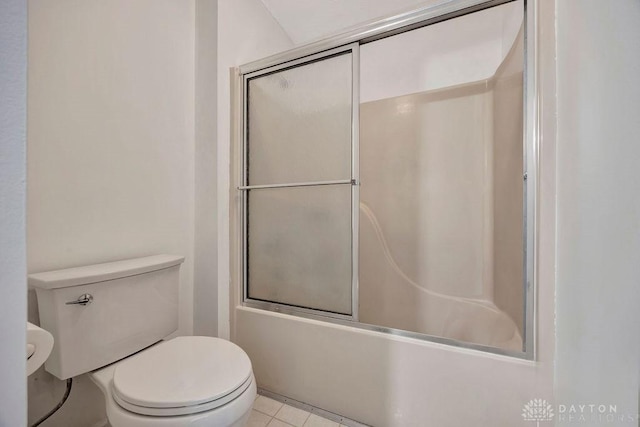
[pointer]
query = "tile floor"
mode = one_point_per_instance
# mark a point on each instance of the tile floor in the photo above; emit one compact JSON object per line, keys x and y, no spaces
{"x":271,"y":413}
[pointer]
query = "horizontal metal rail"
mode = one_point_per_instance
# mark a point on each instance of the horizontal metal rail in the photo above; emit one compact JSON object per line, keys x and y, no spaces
{"x":377,"y":29}
{"x":298,"y":184}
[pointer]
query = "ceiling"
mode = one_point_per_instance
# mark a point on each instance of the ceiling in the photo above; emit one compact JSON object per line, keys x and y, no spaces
{"x":307,"y":20}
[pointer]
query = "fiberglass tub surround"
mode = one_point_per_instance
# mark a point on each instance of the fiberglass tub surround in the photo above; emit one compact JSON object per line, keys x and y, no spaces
{"x":441,"y":194}
{"x":384,"y":183}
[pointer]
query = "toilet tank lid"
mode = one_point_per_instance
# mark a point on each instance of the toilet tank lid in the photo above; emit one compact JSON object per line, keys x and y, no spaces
{"x":102,"y":272}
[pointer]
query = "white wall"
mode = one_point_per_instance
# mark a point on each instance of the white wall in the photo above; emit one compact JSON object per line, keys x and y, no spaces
{"x":307,"y":20}
{"x":13,"y":266}
{"x":598,"y":321}
{"x":110,"y":150}
{"x":439,"y":55}
{"x":246,"y":32}
{"x":205,"y":289}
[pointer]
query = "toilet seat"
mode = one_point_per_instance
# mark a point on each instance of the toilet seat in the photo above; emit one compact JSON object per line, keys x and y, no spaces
{"x":185,"y":375}
{"x":183,"y":410}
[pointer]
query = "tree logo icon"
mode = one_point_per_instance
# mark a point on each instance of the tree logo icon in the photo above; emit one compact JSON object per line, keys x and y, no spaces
{"x":537,"y":410}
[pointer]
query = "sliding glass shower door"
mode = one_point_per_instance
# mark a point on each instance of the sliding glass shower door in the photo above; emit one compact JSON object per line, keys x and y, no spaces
{"x":438,"y":108}
{"x":300,"y":184}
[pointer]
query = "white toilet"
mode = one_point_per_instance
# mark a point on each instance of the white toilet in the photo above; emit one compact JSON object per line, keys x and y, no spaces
{"x":109,"y":320}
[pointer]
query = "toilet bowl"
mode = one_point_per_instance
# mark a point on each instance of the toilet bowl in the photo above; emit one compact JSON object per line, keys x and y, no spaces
{"x":112,"y":321}
{"x":186,"y":381}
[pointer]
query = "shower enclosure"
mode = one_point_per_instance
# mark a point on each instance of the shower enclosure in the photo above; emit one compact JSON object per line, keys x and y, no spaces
{"x":387,"y":183}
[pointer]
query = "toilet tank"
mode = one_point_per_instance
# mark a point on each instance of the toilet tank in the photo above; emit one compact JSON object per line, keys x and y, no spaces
{"x":134,"y":304}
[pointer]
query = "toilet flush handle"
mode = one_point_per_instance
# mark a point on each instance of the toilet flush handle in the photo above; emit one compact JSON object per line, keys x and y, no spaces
{"x":83,"y":299}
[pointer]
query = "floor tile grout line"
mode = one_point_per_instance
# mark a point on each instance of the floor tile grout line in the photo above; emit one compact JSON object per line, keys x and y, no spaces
{"x":306,"y":418}
{"x":279,"y":406}
{"x":258,"y":410}
{"x":312,"y":410}
{"x":277,"y":419}
{"x":293,"y":404}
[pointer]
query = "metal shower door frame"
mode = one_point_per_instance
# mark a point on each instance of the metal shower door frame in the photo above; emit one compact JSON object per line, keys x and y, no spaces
{"x":353,"y":49}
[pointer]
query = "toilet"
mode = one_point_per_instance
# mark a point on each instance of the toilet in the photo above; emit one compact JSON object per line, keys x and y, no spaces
{"x":113,"y":321}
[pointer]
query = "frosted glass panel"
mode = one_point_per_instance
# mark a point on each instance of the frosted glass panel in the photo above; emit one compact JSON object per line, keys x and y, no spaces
{"x":299,"y":123}
{"x":299,"y":246}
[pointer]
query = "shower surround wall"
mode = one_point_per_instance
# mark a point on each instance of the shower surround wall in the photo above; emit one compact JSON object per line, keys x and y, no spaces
{"x":425,"y":167}
{"x":508,"y":244}
{"x":441,"y":213}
